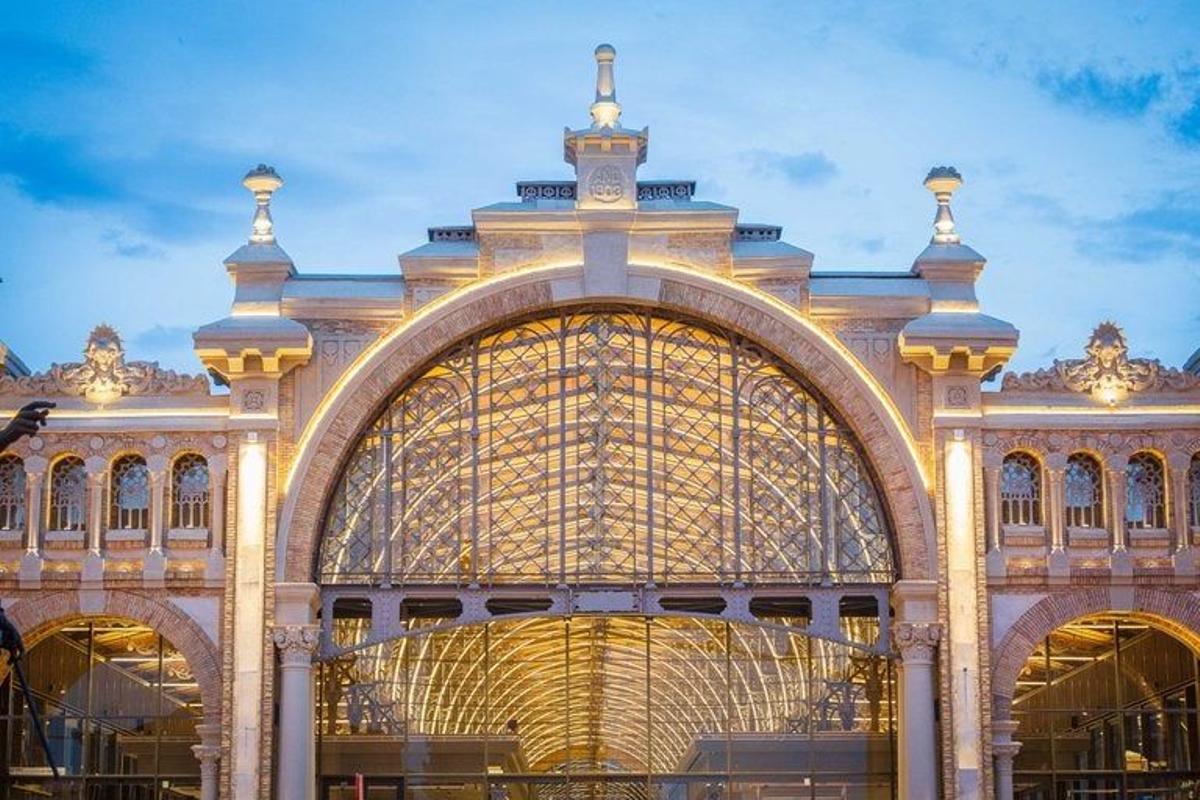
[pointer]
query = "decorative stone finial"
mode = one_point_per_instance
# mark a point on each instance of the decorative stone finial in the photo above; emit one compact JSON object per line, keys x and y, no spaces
{"x":943,"y":181}
{"x":262,"y":181}
{"x":606,"y":111}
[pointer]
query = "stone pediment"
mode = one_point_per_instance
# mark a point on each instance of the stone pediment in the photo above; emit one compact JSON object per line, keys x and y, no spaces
{"x":1107,"y":372}
{"x":104,"y":375}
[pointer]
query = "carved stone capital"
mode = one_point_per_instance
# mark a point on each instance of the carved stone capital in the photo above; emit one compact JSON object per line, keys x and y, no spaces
{"x":1005,"y":751}
{"x":917,"y":641}
{"x":207,"y":754}
{"x":297,"y":643}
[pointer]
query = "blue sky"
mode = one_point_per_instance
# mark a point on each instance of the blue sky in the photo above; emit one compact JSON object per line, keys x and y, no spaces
{"x":125,"y":130}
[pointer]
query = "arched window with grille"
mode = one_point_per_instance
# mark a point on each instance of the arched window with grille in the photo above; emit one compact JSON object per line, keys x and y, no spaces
{"x":12,"y":493}
{"x":68,"y":495}
{"x":1145,"y":492}
{"x":189,"y":492}
{"x":1193,"y":483}
{"x":1083,"y":492}
{"x":1020,"y":490}
{"x":129,"y":494}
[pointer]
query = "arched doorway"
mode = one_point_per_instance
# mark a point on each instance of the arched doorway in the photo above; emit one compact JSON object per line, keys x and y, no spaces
{"x":1107,"y":706}
{"x":607,"y":552}
{"x":120,"y":707}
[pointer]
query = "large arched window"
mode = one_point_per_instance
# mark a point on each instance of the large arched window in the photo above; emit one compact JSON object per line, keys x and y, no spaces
{"x":189,"y":492}
{"x":606,"y":446}
{"x":1106,"y":707}
{"x":12,"y":493}
{"x":129,"y":494}
{"x":119,"y":704}
{"x":1021,"y":490}
{"x":1145,"y":492}
{"x":607,"y":554}
{"x":1083,"y":492}
{"x":68,"y":495}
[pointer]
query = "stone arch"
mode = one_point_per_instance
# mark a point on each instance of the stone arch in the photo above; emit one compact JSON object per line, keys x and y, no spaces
{"x":357,"y":396}
{"x":1176,"y":612}
{"x":40,"y":615}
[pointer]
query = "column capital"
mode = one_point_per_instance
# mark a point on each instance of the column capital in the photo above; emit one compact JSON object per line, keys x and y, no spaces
{"x":1006,"y":751}
{"x":296,"y":643}
{"x":917,"y":641}
{"x":207,"y":753}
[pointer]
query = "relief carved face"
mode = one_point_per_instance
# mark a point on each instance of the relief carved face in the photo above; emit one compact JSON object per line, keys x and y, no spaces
{"x":1107,"y":347}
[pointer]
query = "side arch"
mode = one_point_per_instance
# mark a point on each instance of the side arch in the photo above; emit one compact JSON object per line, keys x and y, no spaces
{"x":359,"y":394}
{"x":1177,"y":612}
{"x":39,"y":616}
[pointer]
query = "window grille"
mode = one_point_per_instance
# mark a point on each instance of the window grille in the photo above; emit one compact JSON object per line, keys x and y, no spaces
{"x":189,"y":492}
{"x":606,"y":445}
{"x":1145,"y":492}
{"x":129,"y":493}
{"x":1083,"y":492}
{"x":1021,"y":490}
{"x":68,"y":495}
{"x":12,"y":493}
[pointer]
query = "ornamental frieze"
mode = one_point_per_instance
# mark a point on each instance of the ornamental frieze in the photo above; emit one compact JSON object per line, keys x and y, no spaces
{"x":1107,"y":373}
{"x":104,"y":375}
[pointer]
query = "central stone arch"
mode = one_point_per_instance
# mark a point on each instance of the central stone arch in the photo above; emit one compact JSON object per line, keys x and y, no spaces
{"x":356,"y":398}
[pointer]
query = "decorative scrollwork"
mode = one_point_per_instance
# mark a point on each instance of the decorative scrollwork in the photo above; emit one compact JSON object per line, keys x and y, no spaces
{"x":1107,"y":373}
{"x":296,"y":643}
{"x":916,"y":641}
{"x":105,"y":376}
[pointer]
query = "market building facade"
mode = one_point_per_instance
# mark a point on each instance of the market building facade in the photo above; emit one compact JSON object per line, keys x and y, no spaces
{"x":606,"y":494}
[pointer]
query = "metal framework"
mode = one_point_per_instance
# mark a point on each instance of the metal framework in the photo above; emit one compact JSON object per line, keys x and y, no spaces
{"x":606,"y":446}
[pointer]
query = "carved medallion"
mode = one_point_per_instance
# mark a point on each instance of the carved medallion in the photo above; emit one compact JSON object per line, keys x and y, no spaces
{"x":606,"y":184}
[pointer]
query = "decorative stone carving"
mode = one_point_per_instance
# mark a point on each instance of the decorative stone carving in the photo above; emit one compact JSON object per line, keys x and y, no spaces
{"x":104,"y":375}
{"x":917,"y":641}
{"x":253,"y":400}
{"x":665,"y":190}
{"x":296,"y":643}
{"x":606,"y":184}
{"x":1107,"y":373}
{"x":956,"y":397}
{"x":549,"y":190}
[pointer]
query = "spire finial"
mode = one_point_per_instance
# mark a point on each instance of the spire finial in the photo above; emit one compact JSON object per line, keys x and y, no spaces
{"x":606,"y":111}
{"x":942,"y":181}
{"x":262,"y":181}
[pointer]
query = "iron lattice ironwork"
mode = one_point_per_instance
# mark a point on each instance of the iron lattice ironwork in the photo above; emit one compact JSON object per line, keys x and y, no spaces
{"x":606,"y":445}
{"x":129,"y":493}
{"x":68,"y":495}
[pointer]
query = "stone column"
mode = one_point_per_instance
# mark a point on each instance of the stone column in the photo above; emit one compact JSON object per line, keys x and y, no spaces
{"x":1114,"y":473}
{"x":154,"y":567}
{"x":97,"y":478}
{"x":208,"y":753}
{"x":1004,"y":750}
{"x":916,"y":635}
{"x":992,"y":464}
{"x":214,"y":567}
{"x":30,"y":574}
{"x":296,"y":639}
{"x":1053,"y":515}
{"x":1182,"y":555}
